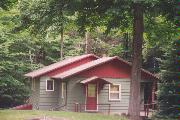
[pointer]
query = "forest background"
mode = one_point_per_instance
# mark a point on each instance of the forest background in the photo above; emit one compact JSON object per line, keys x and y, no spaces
{"x":35,"y":33}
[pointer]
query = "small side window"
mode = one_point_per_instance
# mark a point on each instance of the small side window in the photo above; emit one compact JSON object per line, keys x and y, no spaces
{"x":115,"y":92}
{"x":49,"y":85}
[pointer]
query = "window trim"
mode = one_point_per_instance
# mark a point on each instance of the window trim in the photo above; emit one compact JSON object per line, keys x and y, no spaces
{"x":46,"y":85}
{"x":115,"y":92}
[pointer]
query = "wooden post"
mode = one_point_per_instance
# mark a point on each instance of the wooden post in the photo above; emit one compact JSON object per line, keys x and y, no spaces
{"x":74,"y":107}
{"x":79,"y":107}
{"x":145,"y":110}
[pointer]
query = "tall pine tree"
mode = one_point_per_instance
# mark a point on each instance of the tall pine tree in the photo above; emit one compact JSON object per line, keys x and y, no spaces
{"x":169,"y":86}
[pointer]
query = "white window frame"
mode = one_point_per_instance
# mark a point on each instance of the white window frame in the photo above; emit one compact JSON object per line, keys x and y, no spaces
{"x":115,"y":92}
{"x":46,"y":85}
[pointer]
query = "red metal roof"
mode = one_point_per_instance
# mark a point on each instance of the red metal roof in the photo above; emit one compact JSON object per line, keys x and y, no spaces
{"x":92,"y":64}
{"x":93,"y":79}
{"x":57,"y":65}
{"x":83,"y":67}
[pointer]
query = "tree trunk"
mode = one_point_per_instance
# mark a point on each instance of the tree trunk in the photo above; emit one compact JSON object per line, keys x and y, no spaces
{"x":30,"y":57}
{"x":126,"y":46}
{"x":62,"y":34}
{"x":86,"y":42}
{"x":134,"y":103}
{"x":61,"y":44}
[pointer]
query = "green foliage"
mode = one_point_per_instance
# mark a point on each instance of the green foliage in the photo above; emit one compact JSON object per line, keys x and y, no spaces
{"x":72,"y":46}
{"x":21,"y":52}
{"x":12,"y":91}
{"x":169,"y":90}
{"x":7,"y":4}
{"x":158,"y":36}
{"x":117,"y":50}
{"x":159,"y":32}
{"x":47,"y":16}
{"x":14,"y":61}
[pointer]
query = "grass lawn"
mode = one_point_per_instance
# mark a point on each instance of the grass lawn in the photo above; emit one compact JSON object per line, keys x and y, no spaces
{"x":26,"y":114}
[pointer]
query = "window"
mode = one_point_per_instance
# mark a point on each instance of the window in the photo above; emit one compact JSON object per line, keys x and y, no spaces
{"x":114,"y":92}
{"x":49,"y":85}
{"x":91,"y":90}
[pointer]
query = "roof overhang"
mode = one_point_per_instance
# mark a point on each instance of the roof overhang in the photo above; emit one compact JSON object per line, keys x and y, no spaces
{"x":95,"y":78}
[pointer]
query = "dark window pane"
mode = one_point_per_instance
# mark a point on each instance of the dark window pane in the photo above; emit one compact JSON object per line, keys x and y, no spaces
{"x":49,"y":85}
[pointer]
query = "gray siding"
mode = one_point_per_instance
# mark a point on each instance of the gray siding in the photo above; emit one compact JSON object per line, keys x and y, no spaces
{"x":75,"y":93}
{"x":116,"y":106}
{"x":48,"y":99}
{"x":34,"y":98}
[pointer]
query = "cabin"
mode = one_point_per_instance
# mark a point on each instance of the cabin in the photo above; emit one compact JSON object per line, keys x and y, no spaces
{"x":88,"y":83}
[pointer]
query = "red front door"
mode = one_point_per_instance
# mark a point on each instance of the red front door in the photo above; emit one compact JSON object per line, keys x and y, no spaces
{"x":91,"y":97}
